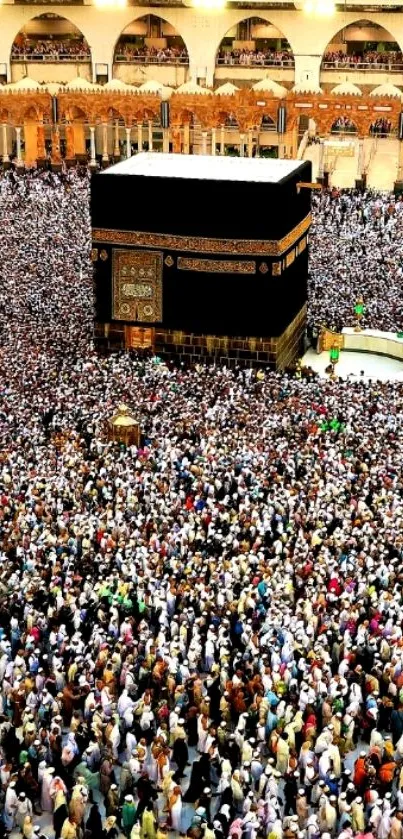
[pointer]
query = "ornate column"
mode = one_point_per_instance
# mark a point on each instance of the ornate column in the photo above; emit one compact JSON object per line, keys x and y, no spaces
{"x":116,"y":147}
{"x":93,"y":160}
{"x":186,"y":138}
{"x":165,"y":140}
{"x":56,"y":158}
{"x":176,"y":139}
{"x":213,"y":141}
{"x":5,"y":144}
{"x":250,"y":142}
{"x":242,"y":144}
{"x":70,"y":146}
{"x":20,"y":162}
{"x":150,"y":135}
{"x":40,"y":142}
{"x":105,"y":157}
{"x":128,"y":142}
{"x":139,"y":136}
{"x":204,"y":142}
{"x":222,"y":139}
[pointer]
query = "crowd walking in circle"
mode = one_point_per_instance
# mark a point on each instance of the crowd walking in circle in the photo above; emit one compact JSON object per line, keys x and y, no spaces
{"x":356,"y":251}
{"x":201,"y":636}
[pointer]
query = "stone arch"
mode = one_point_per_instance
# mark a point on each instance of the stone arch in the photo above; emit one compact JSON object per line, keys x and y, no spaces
{"x":50,"y":16}
{"x":163,"y":18}
{"x":72,"y":112}
{"x":115,"y":113}
{"x":186,"y":117}
{"x":263,"y":18}
{"x":374,"y":20}
{"x":32,"y":112}
{"x":268,"y":122}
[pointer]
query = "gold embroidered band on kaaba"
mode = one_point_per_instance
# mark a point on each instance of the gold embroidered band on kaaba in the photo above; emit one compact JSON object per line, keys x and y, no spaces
{"x":216,"y":266}
{"x":200,"y":244}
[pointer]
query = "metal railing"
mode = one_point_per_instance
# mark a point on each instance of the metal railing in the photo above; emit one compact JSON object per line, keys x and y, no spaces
{"x":234,"y":129}
{"x":364,"y":66}
{"x":120,"y":58}
{"x":346,"y":133}
{"x":252,"y":61}
{"x":47,"y":58}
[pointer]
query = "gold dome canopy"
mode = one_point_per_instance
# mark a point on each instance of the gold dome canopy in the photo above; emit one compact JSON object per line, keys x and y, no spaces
{"x":123,"y":426}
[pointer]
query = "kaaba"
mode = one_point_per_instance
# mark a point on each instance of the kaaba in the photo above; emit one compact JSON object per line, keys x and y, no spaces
{"x":202,"y":257}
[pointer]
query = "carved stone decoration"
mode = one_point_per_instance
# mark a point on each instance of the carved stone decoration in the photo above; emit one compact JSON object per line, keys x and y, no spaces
{"x":248,"y":107}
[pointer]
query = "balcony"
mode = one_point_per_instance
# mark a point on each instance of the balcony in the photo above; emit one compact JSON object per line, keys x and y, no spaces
{"x":255,"y":61}
{"x":50,"y":58}
{"x":363,"y":66}
{"x":165,"y":60}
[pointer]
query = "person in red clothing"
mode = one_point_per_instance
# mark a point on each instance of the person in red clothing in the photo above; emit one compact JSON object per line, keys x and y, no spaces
{"x":334,"y":586}
{"x":360,"y":772}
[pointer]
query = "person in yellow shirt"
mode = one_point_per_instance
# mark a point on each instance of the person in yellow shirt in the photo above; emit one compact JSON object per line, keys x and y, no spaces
{"x":69,"y":829}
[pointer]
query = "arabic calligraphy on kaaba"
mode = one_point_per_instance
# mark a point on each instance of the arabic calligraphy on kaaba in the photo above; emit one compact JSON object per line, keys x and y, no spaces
{"x":202,"y":245}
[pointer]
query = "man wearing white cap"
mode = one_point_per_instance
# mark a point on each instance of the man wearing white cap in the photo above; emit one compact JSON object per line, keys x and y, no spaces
{"x":10,"y":806}
{"x":23,"y":809}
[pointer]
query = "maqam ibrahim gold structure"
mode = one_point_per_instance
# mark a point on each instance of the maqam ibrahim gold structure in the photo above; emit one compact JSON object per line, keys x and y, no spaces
{"x":123,"y":427}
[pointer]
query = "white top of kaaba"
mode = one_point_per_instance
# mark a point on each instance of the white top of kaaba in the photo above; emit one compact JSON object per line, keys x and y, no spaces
{"x":205,"y":167}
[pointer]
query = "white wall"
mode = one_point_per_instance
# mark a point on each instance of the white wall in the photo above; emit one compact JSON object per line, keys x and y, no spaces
{"x":61,"y":72}
{"x":201,"y":31}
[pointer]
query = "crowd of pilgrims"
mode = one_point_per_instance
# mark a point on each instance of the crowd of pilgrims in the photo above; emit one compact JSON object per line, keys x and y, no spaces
{"x":125,"y":51}
{"x":266,"y":57}
{"x":37,"y":49}
{"x":201,"y":636}
{"x":383,"y":60}
{"x":356,"y":252}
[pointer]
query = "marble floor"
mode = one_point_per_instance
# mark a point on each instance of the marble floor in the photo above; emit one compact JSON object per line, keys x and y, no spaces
{"x":357,"y":365}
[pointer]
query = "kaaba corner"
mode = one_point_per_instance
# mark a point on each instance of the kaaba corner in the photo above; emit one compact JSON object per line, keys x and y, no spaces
{"x":202,"y":257}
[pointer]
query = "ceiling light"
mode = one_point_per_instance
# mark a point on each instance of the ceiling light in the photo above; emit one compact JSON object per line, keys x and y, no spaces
{"x":316,"y":8}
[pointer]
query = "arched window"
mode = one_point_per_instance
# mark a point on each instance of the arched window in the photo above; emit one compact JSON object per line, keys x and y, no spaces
{"x":50,"y":38}
{"x":151,"y":40}
{"x":268,"y":124}
{"x":257,"y":43}
{"x":363,"y":46}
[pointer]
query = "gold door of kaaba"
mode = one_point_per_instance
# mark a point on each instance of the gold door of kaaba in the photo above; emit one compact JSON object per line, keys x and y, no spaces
{"x":137,"y":285}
